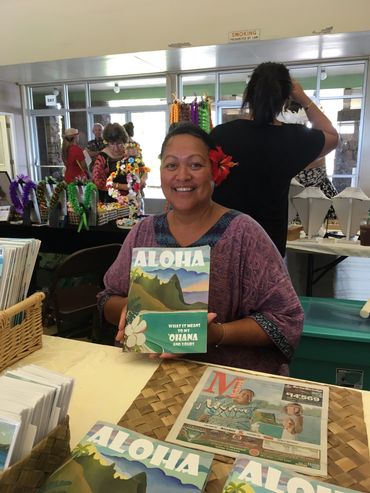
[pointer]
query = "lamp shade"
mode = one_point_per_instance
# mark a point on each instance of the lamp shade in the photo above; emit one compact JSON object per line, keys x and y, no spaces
{"x":312,"y":206}
{"x":351,"y":205}
{"x":294,"y":189}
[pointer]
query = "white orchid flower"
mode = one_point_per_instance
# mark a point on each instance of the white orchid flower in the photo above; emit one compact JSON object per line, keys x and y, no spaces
{"x":134,"y":332}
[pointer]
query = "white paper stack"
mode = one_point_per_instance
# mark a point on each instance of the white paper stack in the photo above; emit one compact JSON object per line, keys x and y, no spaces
{"x":18,"y":257}
{"x":312,"y":206}
{"x":351,"y":205}
{"x":33,"y":401}
{"x":294,"y":189}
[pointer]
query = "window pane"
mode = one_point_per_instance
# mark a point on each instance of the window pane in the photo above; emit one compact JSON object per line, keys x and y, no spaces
{"x":149,"y":131}
{"x":39,"y":93}
{"x":228,"y":114}
{"x":79,"y":121}
{"x":232,"y":86}
{"x":103,"y":118}
{"x":49,"y":138}
{"x":307,"y":77}
{"x":340,"y":80}
{"x":345,"y":114}
{"x":342,"y":183}
{"x":130,"y":92}
{"x":77,"y":96}
{"x":198,"y":85}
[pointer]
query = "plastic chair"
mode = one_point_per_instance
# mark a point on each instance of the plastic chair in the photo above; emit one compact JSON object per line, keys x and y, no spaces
{"x":76,"y":282}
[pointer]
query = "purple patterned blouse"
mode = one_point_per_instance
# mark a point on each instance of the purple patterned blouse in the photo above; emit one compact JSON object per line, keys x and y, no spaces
{"x":248,"y":278}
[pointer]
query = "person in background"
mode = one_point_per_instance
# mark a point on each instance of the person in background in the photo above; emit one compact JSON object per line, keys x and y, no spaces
{"x":129,"y":127}
{"x":73,"y":157}
{"x":269,"y":152}
{"x":115,"y":137}
{"x":96,"y":145}
{"x":315,"y":174}
{"x":255,"y":318}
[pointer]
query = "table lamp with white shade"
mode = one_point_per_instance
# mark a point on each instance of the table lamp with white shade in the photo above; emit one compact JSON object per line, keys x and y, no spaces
{"x":351,"y":205}
{"x":312,"y":206}
{"x":294,"y":189}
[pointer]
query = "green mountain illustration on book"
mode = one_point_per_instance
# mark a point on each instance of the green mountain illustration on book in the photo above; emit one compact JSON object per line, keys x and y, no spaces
{"x":163,"y":296}
{"x":87,"y":473}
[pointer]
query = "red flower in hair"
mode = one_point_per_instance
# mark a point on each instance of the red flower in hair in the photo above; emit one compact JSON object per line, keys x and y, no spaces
{"x":221,"y":164}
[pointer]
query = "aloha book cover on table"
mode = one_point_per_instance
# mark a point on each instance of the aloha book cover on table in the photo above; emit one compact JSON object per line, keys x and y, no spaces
{"x":231,"y":412}
{"x":168,"y":300}
{"x":252,"y":475}
{"x":112,"y":459}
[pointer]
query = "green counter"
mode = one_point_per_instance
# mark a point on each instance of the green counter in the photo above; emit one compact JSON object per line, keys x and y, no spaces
{"x":335,"y":344}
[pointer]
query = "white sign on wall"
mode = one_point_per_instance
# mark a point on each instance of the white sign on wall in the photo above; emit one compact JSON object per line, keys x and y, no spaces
{"x":245,"y":35}
{"x":50,"y":100}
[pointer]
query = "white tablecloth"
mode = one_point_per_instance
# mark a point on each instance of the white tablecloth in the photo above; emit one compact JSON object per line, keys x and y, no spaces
{"x":329,"y":246}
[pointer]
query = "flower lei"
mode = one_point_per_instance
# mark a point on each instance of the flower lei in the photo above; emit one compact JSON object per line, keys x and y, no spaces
{"x":41,"y":195}
{"x":221,"y":164}
{"x":54,"y":199}
{"x":134,"y":169}
{"x":80,"y":209}
{"x":27,"y":185}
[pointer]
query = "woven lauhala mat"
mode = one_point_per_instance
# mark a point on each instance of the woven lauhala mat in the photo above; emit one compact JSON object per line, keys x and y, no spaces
{"x":156,"y":408}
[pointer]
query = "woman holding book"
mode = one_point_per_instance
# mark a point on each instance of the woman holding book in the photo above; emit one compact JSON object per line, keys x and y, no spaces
{"x":255,"y":317}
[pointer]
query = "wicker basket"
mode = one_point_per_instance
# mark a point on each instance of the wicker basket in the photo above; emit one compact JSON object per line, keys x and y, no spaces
{"x":28,"y":475}
{"x":18,"y":339}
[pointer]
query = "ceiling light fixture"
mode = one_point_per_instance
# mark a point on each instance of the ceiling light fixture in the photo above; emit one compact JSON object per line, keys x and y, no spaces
{"x":116,"y":88}
{"x":323,"y":74}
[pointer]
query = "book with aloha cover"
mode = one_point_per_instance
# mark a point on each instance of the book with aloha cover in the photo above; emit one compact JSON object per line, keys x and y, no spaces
{"x":168,"y":300}
{"x":112,"y":459}
{"x":252,"y":475}
{"x":234,"y":412}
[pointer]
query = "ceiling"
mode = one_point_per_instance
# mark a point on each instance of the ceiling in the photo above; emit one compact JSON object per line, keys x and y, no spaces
{"x":175,"y":60}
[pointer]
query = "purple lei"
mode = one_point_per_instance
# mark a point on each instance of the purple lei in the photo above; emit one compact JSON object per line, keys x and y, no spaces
{"x":27,"y":185}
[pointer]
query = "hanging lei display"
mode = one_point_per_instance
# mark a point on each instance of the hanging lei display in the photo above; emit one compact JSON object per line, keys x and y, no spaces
{"x":20,"y":203}
{"x":80,"y":209}
{"x":54,"y":199}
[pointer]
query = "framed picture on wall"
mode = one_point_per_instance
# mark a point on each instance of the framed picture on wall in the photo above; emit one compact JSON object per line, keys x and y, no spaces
{"x":4,"y":189}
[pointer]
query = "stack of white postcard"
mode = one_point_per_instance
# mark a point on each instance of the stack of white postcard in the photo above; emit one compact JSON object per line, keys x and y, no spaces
{"x":17,"y":261}
{"x":33,"y":401}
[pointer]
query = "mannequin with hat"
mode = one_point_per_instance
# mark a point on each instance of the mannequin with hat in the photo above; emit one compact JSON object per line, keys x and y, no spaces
{"x":73,"y":156}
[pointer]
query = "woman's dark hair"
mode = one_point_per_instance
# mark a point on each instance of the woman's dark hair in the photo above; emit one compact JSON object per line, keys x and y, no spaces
{"x":187,"y":128}
{"x":114,"y":132}
{"x":267,"y":91}
{"x":129,"y":127}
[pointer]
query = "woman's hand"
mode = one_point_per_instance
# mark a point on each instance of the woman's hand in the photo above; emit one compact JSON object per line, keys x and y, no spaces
{"x":298,"y":95}
{"x":121,"y":325}
{"x":211,"y":316}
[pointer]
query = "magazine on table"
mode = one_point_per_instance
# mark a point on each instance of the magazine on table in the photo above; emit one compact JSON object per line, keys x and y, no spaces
{"x":254,"y":475}
{"x":231,"y":413}
{"x":112,"y":459}
{"x":168,"y":300}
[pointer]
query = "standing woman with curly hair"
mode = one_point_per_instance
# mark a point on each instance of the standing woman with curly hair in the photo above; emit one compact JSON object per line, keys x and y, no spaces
{"x":269,"y":152}
{"x":115,"y":137}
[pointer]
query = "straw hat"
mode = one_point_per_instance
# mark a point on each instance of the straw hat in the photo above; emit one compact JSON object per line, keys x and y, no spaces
{"x":70,"y":132}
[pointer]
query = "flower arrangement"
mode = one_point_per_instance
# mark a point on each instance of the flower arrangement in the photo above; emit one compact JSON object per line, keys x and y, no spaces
{"x":21,"y":202}
{"x":221,"y":164}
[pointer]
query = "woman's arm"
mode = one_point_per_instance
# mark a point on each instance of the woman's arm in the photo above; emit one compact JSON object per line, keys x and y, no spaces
{"x":316,"y":117}
{"x":244,"y":332}
{"x":113,"y":309}
{"x":98,"y":174}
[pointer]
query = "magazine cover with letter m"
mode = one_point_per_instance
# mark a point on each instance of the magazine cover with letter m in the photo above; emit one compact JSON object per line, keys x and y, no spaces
{"x":168,"y":300}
